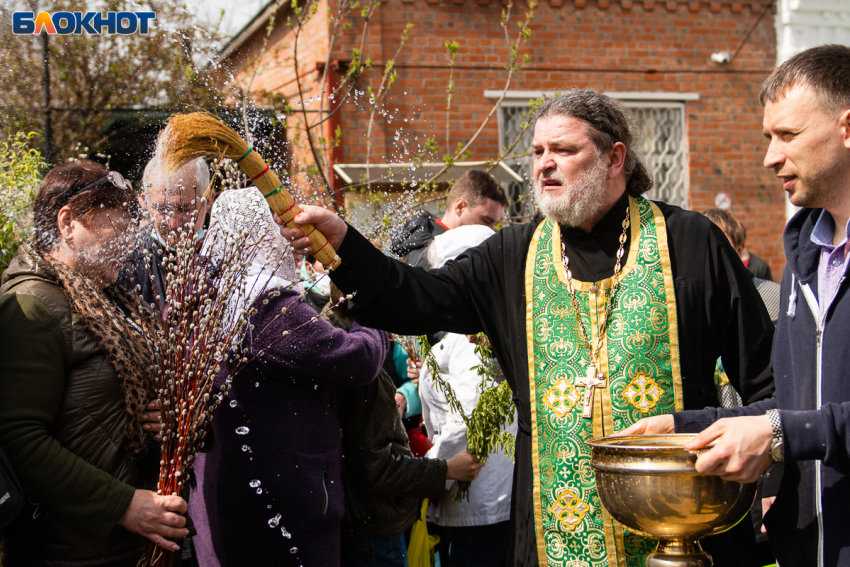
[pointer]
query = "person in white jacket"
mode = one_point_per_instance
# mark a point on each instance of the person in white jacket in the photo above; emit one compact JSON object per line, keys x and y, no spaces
{"x":477,"y":530}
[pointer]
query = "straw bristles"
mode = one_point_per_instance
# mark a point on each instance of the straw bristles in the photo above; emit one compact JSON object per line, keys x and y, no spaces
{"x":198,"y":134}
{"x":201,"y":134}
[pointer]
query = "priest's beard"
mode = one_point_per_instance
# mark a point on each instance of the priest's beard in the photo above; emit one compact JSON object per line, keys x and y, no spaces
{"x":578,"y":202}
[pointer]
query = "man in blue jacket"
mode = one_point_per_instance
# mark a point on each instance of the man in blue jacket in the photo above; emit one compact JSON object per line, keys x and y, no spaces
{"x":806,"y":425}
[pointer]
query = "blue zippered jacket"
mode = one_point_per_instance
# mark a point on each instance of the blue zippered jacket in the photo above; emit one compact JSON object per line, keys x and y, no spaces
{"x":808,"y":523}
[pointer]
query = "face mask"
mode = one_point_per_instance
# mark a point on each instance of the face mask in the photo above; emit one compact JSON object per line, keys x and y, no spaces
{"x":195,"y":239}
{"x":318,"y":283}
{"x":303,"y":274}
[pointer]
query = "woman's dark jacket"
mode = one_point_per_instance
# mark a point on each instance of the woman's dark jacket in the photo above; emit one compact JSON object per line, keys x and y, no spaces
{"x":62,"y":423}
{"x":383,"y":481}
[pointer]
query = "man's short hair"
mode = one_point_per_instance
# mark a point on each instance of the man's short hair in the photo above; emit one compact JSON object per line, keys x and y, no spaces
{"x":200,"y":169}
{"x":826,"y":69}
{"x":474,"y":186}
{"x":730,"y":225}
{"x":608,"y":122}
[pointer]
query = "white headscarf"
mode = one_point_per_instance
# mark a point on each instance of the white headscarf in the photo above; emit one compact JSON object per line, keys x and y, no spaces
{"x":241,"y":219}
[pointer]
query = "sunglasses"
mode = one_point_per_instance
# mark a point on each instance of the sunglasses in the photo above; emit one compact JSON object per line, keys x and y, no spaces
{"x":113,"y":177}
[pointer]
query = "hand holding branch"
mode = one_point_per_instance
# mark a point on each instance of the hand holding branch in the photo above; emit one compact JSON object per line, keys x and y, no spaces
{"x":158,"y":518}
{"x":414,"y":370}
{"x":463,"y":466}
{"x":152,"y":419}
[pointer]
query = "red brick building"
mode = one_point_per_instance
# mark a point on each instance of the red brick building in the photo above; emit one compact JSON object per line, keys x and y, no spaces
{"x":701,"y":119}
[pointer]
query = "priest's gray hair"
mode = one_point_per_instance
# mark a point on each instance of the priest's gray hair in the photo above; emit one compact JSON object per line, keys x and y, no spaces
{"x":198,"y":168}
{"x":608,"y":122}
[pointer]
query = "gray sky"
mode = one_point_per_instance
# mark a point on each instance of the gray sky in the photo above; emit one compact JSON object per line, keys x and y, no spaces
{"x":237,"y":13}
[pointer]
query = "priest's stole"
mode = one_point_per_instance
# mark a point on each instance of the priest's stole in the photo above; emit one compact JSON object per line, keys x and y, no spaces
{"x":639,"y":357}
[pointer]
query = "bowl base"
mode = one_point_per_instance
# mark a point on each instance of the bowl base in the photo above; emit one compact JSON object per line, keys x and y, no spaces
{"x":679,"y":553}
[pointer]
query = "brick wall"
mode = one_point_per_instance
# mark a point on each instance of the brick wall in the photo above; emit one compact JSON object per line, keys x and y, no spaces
{"x":621,"y":46}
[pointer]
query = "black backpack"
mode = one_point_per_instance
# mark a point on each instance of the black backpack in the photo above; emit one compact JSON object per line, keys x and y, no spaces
{"x":11,"y":495}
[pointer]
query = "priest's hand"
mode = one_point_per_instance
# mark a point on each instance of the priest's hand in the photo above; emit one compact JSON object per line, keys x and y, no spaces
{"x":655,"y":425}
{"x":158,"y":518}
{"x":741,"y":450}
{"x":333,"y":227}
{"x":463,"y":466}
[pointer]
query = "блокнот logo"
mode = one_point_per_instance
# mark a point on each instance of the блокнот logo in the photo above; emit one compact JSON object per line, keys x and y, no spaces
{"x":66,"y":23}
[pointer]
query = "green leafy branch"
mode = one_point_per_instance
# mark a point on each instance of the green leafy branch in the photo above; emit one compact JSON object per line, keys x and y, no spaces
{"x":493,"y":412}
{"x":21,"y":169}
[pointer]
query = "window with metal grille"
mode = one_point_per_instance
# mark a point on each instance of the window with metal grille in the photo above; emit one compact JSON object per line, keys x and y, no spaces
{"x":663,"y":143}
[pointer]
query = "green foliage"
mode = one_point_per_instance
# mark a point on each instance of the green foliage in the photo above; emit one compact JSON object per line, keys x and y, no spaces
{"x":91,"y":74}
{"x":494,"y":410}
{"x":21,"y":169}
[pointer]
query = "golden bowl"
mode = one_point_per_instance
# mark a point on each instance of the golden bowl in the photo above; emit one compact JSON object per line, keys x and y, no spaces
{"x":649,"y":484}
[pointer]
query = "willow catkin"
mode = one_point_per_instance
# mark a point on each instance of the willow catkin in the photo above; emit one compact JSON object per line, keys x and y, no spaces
{"x":201,"y":134}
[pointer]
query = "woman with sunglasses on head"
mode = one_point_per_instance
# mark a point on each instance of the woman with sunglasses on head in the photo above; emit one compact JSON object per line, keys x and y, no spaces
{"x":75,"y":383}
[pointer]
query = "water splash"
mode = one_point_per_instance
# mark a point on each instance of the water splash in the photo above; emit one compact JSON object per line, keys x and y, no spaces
{"x":254,"y":483}
{"x":285,"y":533}
{"x":273,"y":522}
{"x":242,"y":430}
{"x":246,"y":448}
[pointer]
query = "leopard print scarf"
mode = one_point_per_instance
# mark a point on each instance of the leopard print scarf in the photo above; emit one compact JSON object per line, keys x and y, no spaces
{"x":122,"y":328}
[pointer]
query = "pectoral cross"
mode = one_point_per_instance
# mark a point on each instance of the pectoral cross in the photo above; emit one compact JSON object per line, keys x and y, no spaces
{"x":590,"y":383}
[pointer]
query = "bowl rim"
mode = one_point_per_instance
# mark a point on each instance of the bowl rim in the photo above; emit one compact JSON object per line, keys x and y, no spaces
{"x":606,"y":442}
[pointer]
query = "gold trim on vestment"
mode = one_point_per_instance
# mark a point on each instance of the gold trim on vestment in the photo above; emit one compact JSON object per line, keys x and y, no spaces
{"x":673,"y":314}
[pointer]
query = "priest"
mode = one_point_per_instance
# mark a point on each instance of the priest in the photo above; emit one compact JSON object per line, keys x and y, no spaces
{"x":606,"y":309}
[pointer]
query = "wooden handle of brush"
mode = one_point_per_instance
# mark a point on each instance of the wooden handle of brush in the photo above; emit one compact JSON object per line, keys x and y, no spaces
{"x":322,"y":249}
{"x":282,"y":203}
{"x":201,"y":134}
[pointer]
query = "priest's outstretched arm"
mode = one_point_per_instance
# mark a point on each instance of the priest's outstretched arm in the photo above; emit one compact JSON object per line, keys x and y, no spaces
{"x":398,"y":298}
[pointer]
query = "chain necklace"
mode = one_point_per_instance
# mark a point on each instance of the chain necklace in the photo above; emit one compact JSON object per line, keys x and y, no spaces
{"x":595,"y":379}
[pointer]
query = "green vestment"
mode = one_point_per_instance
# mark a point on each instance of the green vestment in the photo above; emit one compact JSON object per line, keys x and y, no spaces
{"x":639,"y":358}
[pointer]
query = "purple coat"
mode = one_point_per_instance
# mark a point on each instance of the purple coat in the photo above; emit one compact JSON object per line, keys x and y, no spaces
{"x":273,"y":495}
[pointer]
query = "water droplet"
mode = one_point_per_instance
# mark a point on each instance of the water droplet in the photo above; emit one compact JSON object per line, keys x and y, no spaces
{"x":245,"y":448}
{"x":269,"y":506}
{"x":259,"y":491}
{"x":273,"y":522}
{"x":233,"y":403}
{"x":294,"y":550}
{"x":285,"y":533}
{"x":256,"y":384}
{"x":242,"y":430}
{"x":316,"y":387}
{"x":254,"y":483}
